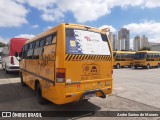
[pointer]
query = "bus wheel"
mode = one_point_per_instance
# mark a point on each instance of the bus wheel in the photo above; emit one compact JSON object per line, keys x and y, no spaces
{"x":148,"y":66}
{"x":6,"y":71}
{"x":40,"y":99}
{"x":135,"y":67}
{"x":118,"y":66}
{"x":131,"y":66}
{"x":158,"y":66}
{"x":21,"y":79}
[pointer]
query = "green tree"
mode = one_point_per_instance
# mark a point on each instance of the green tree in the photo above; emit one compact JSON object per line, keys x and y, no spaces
{"x":2,"y":44}
{"x":145,"y":48}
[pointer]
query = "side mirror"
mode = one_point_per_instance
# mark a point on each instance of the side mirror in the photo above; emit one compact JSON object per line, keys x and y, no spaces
{"x":16,"y":54}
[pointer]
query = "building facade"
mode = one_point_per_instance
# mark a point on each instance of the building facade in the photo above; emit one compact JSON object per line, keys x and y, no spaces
{"x":155,"y":47}
{"x":113,"y":40}
{"x":124,"y":39}
{"x":140,"y":42}
{"x":137,"y":43}
{"x":144,"y":41}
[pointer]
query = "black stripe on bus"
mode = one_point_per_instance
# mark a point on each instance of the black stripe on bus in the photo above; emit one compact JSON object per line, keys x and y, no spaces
{"x":77,"y":57}
{"x":67,"y":57}
{"x":73,"y":57}
{"x":43,"y":78}
{"x":88,"y":57}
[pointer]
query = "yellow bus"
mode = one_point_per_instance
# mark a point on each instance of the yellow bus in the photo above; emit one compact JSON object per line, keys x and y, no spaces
{"x":147,"y":59}
{"x":123,"y":58}
{"x":68,"y":63}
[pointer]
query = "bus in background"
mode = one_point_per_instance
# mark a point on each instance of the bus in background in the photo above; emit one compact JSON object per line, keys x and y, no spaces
{"x":123,"y":58}
{"x":68,"y":63}
{"x":9,"y":61}
{"x":147,"y":59}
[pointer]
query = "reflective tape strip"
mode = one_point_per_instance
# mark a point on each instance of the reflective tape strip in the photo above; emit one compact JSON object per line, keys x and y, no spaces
{"x":88,"y":57}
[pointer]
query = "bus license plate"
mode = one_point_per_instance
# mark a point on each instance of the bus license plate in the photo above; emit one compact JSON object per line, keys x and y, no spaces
{"x":89,"y":96}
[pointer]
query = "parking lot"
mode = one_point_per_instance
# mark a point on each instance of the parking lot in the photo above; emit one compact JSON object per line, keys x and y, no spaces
{"x":133,"y":90}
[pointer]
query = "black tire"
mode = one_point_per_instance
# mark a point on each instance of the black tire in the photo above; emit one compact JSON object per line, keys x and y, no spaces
{"x":158,"y":66}
{"x":118,"y":66}
{"x":130,"y":66}
{"x":85,"y":100}
{"x":135,"y":67}
{"x":148,"y":66}
{"x":40,"y":98}
{"x":21,"y":79}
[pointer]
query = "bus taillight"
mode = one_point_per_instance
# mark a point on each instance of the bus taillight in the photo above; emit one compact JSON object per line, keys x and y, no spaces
{"x":60,"y":75}
{"x":12,"y":60}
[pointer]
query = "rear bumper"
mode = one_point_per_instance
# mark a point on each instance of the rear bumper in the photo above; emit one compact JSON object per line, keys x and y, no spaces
{"x":13,"y":68}
{"x":93,"y":92}
{"x":78,"y":96}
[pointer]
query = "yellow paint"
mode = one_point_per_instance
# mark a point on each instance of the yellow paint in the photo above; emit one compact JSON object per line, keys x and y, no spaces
{"x":123,"y":58}
{"x":84,"y":71}
{"x":152,"y":59}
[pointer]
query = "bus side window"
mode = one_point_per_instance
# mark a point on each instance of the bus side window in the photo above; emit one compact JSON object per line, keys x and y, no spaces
{"x":117,"y":56}
{"x":41,"y":47}
{"x":42,"y":42}
{"x":30,"y":51}
{"x":22,"y":52}
{"x":37,"y":44}
{"x":122,"y":55}
{"x":25,"y":51}
{"x":54,"y":39}
{"x":48,"y":40}
{"x":36,"y":50}
{"x":148,"y":56}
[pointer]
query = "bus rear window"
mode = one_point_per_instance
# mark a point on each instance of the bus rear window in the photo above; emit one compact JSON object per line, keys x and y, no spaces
{"x":86,"y":42}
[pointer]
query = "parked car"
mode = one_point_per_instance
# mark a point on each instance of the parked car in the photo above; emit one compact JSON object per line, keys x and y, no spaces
{"x":9,"y":61}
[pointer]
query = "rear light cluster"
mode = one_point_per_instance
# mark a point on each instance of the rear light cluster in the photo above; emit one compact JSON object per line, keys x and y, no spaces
{"x":12,"y":61}
{"x":60,"y":75}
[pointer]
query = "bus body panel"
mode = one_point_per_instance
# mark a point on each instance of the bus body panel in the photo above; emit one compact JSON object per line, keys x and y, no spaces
{"x":77,"y":81}
{"x":125,"y":58}
{"x":144,"y":58}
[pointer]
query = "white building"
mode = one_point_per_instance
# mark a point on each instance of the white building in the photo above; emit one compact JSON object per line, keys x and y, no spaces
{"x":113,"y":40}
{"x":140,"y":42}
{"x":137,"y":43}
{"x":144,"y":41}
{"x":155,"y":47}
{"x":124,"y":39}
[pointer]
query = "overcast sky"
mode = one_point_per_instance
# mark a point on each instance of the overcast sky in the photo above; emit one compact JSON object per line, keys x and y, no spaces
{"x":27,"y":18}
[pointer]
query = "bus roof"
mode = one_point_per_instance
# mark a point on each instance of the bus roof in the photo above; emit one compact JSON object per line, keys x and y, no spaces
{"x":145,"y":51}
{"x":50,"y":31}
{"x":124,"y":52}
